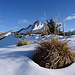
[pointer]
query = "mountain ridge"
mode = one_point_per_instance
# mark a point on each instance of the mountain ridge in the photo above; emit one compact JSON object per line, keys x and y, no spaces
{"x":32,"y":28}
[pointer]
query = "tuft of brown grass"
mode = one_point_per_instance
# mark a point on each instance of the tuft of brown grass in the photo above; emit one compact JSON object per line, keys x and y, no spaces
{"x":54,"y":54}
{"x":23,"y":42}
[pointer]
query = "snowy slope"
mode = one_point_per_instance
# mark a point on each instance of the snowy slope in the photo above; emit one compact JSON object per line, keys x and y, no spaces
{"x":9,"y":40}
{"x":7,"y":33}
{"x":27,"y":29}
{"x":17,"y":61}
{"x":71,"y":41}
{"x":13,"y":60}
{"x":3,"y":35}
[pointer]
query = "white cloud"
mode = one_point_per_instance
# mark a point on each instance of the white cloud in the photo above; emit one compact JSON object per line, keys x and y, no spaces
{"x":70,"y":17}
{"x":23,"y":21}
{"x":72,"y":29}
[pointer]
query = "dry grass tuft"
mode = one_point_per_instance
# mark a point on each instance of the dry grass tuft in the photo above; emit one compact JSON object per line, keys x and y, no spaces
{"x":23,"y":42}
{"x":54,"y":54}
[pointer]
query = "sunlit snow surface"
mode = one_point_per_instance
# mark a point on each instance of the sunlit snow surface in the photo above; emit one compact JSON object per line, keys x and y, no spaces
{"x":17,"y":61}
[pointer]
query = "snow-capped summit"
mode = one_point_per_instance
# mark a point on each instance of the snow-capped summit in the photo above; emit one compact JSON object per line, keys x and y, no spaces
{"x":38,"y":25}
{"x":31,"y":28}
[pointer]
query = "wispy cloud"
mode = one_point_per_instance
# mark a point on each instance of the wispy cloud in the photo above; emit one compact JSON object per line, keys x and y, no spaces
{"x":71,"y":17}
{"x":23,"y":21}
{"x":3,"y":26}
{"x":72,"y":29}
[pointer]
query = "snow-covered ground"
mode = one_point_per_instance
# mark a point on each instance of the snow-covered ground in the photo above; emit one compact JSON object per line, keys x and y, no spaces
{"x":17,"y":61}
{"x":8,"y":40}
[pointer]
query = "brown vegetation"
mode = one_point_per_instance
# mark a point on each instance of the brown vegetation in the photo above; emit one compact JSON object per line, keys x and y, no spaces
{"x":16,"y":34}
{"x":54,"y":54}
{"x":23,"y":42}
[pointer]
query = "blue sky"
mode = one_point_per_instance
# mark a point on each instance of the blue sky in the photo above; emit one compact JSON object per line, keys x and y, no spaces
{"x":16,"y":14}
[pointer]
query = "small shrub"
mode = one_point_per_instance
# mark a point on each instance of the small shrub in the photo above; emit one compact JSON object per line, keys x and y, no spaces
{"x":18,"y":35}
{"x":23,"y":42}
{"x":54,"y":54}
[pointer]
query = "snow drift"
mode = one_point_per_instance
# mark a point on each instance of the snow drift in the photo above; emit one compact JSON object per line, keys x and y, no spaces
{"x":17,"y":60}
